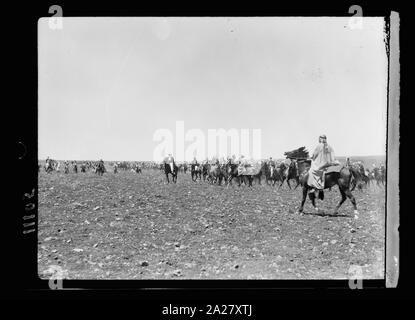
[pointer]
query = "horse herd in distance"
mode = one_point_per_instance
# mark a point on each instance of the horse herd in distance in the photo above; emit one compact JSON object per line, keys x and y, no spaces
{"x":272,"y":172}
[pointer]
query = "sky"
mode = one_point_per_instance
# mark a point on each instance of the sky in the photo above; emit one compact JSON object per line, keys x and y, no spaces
{"x":107,"y":85}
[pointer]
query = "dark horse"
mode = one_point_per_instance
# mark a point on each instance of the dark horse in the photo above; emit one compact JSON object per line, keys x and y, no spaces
{"x":290,"y":172}
{"x":231,"y":172}
{"x":196,"y":171}
{"x":167,"y":171}
{"x":100,"y":169}
{"x":205,"y":170}
{"x":342,"y":178}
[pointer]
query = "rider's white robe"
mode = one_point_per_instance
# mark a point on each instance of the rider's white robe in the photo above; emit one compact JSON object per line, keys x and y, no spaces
{"x":322,"y":158}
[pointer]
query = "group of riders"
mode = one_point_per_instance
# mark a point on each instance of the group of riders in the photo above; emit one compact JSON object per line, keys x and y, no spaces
{"x":321,"y":171}
{"x":242,"y":169}
{"x":323,"y":159}
{"x":51,"y":165}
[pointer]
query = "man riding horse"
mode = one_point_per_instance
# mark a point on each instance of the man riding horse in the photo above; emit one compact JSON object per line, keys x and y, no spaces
{"x":323,"y":157}
{"x":195,"y":169}
{"x":170,"y":167}
{"x":317,"y":176}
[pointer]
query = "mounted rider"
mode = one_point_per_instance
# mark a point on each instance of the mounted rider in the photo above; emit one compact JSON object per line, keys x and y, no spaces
{"x":194,"y":161}
{"x":323,"y":157}
{"x":170,"y":161}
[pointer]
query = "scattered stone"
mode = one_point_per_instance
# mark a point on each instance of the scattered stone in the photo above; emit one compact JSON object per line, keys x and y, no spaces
{"x":78,"y":250}
{"x":144,"y":263}
{"x":189,"y":265}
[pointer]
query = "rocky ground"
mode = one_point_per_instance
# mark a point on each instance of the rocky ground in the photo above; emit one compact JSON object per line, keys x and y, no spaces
{"x":134,"y":226}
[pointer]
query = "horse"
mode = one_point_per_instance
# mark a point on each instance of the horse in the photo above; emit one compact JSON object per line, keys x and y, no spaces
{"x":275,"y":174}
{"x":379,"y":175}
{"x":49,"y":166}
{"x":100,"y":169}
{"x":196,"y":171}
{"x":360,"y":177}
{"x":342,"y":178}
{"x":215,"y":173}
{"x":251,"y":177}
{"x":205,"y":170}
{"x":290,"y":172}
{"x":263,"y":171}
{"x":231,"y":170}
{"x":171,"y":168}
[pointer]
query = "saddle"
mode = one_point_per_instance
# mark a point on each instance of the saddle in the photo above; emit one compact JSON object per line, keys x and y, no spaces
{"x":335,"y":168}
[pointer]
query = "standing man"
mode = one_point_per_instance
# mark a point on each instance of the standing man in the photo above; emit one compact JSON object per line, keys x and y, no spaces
{"x":323,"y":157}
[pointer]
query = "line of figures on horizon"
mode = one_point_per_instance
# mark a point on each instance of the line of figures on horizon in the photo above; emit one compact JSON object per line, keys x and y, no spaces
{"x":285,"y":169}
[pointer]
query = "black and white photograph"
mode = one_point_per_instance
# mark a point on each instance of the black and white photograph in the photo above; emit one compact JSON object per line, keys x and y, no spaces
{"x":212,"y":148}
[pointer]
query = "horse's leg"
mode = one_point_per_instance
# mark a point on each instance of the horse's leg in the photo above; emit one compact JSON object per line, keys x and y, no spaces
{"x":312,"y":197}
{"x":305,"y":191}
{"x":282,"y":182}
{"x":167,"y":177}
{"x":343,"y":194}
{"x":353,"y":183}
{"x":288,"y":182}
{"x":353,"y":200}
{"x":298,"y":182}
